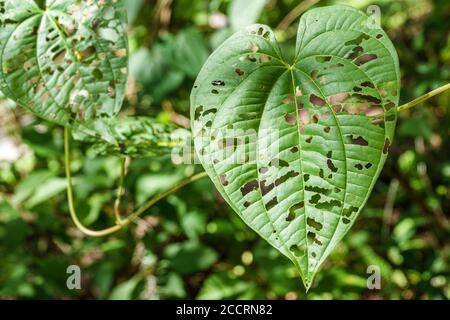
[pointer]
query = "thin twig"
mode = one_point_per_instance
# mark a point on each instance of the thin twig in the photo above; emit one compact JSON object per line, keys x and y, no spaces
{"x":123,"y":172}
{"x":423,"y":98}
{"x":295,"y":13}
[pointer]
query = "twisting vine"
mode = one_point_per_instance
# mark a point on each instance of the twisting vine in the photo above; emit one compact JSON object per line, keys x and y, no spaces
{"x":120,"y":222}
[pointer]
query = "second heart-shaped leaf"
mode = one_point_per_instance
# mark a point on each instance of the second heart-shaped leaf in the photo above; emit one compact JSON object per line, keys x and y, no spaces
{"x":66,"y":61}
{"x":295,"y":148}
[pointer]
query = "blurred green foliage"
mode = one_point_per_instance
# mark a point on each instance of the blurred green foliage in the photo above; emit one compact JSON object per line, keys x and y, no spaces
{"x":191,"y":245}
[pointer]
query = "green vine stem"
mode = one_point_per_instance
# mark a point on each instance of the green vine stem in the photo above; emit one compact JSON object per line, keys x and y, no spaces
{"x":123,"y":172}
{"x":423,"y":98}
{"x":121,"y":223}
{"x":128,"y":220}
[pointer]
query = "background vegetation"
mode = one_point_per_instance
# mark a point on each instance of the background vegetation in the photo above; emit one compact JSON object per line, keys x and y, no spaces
{"x":191,"y":245}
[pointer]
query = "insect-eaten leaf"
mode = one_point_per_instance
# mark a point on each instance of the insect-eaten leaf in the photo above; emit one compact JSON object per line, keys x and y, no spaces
{"x":66,"y":61}
{"x":135,"y":137}
{"x":295,"y":147}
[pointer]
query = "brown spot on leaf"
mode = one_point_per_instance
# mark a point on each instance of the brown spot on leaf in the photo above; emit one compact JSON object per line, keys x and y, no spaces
{"x":223,"y":180}
{"x":358,"y":140}
{"x":339,"y":97}
{"x":249,"y":187}
{"x":331,"y":165}
{"x":317,"y":101}
{"x":290,"y":118}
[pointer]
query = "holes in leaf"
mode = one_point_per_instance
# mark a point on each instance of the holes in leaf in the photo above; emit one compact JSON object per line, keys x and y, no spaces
{"x":249,"y":187}
{"x":356,"y":52}
{"x":391,"y":117}
{"x":296,"y":250}
{"x":389,"y":105}
{"x":316,"y":101}
{"x":359,"y":166}
{"x":312,"y":237}
{"x":288,"y":100}
{"x":209,"y":111}
{"x":248,"y":115}
{"x":336,"y":65}
{"x":368,"y":165}
{"x":366,"y":98}
{"x":278,"y":163}
{"x":358,"y":40}
{"x":292,"y":210}
{"x":339,"y":97}
{"x":247,"y":204}
{"x":294,"y":149}
{"x":315,"y":199}
{"x":314,"y":224}
{"x":264,"y":58}
{"x":223,"y":180}
{"x":198,"y":112}
{"x":239,"y":72}
{"x":316,"y":189}
{"x":304,"y":119}
{"x":331,"y":165}
{"x":272,"y":203}
{"x":218,"y":83}
{"x":358,"y":140}
{"x":367,"y":84}
{"x":309,"y":139}
{"x":27,"y":65}
{"x":323,"y":59}
{"x":314,"y":74}
{"x":284,"y":178}
{"x":59,"y":58}
{"x":254,"y":48}
{"x":365,"y":58}
{"x":328,"y":205}
{"x":321,"y":173}
{"x":315,"y":118}
{"x":326,"y":129}
{"x":306,"y":177}
{"x":265,"y":189}
{"x":263,"y":170}
{"x":349,"y":211}
{"x":374,"y":111}
{"x":386,"y":146}
{"x":290,"y":118}
{"x":214,"y":91}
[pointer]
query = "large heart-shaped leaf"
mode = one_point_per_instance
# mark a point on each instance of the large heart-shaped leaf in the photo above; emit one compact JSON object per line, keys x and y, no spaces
{"x":295,"y":148}
{"x":64,"y":60}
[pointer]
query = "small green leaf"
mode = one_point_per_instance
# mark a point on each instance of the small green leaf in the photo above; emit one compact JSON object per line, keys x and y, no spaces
{"x":64,"y":60}
{"x":135,"y":137}
{"x":295,"y":147}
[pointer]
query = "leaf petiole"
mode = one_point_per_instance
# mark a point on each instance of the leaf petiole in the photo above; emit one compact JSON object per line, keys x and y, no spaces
{"x":423,"y":98}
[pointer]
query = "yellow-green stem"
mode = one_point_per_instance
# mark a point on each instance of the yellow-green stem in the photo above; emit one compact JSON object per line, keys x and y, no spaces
{"x":423,"y":98}
{"x":124,"y":222}
{"x":123,"y":168}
